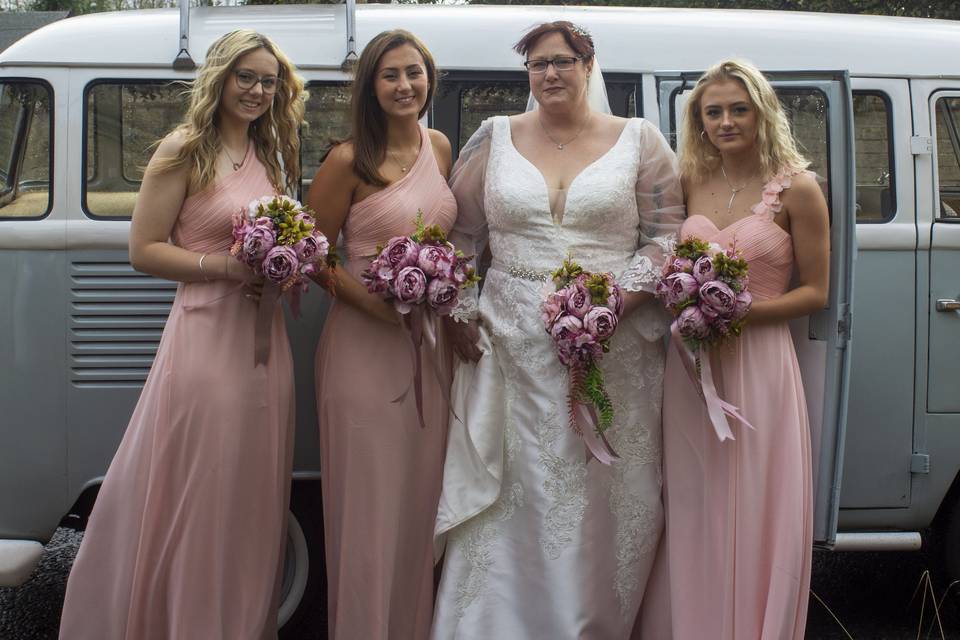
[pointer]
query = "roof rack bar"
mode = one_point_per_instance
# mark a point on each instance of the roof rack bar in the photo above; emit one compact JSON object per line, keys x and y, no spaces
{"x":351,"y":58}
{"x":183,"y":61}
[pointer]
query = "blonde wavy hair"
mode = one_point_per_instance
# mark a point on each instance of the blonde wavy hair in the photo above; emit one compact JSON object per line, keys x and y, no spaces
{"x":775,"y":143}
{"x":275,"y":134}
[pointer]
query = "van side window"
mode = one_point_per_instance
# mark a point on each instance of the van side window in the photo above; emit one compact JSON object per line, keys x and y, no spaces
{"x":482,"y":101}
{"x":948,"y":156}
{"x":26,"y":160}
{"x":122,"y":121}
{"x":872,"y":123}
{"x":327,"y":119}
{"x":807,"y":111}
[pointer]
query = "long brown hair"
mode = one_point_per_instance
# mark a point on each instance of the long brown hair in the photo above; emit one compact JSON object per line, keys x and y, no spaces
{"x":275,"y":133}
{"x":368,"y":122}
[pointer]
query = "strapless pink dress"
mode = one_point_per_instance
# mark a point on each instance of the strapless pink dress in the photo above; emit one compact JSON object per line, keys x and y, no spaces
{"x":186,"y":538}
{"x":381,"y":471}
{"x":734,"y":562}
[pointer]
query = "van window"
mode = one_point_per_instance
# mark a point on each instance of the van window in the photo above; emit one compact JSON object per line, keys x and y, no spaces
{"x":948,"y":156}
{"x":807,"y":111}
{"x":122,"y":121}
{"x":327,"y":119}
{"x":872,"y":123}
{"x":488,"y":99}
{"x":26,"y":117}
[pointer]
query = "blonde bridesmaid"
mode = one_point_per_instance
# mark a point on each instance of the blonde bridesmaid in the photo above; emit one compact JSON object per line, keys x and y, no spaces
{"x":734,"y":563}
{"x":381,"y":470}
{"x":186,"y":538}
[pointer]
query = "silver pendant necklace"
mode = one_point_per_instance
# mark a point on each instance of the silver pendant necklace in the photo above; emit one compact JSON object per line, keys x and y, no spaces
{"x":561,"y":145}
{"x":733,"y":190}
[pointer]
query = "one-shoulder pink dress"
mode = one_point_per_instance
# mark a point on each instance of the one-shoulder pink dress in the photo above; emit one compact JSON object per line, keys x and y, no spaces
{"x":381,"y":471}
{"x":734,"y":562}
{"x":186,"y":537}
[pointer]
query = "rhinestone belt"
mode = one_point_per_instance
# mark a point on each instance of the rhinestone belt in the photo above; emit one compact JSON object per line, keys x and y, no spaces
{"x":526,"y":274}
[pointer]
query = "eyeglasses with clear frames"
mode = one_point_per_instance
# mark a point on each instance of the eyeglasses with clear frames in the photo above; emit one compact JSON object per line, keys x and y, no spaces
{"x":560,"y":63}
{"x":247,"y":80}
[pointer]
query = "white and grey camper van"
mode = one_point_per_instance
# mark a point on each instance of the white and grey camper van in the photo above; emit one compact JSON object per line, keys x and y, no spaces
{"x":875,"y":102}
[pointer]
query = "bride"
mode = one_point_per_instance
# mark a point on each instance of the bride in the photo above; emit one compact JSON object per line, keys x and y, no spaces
{"x":540,"y":543}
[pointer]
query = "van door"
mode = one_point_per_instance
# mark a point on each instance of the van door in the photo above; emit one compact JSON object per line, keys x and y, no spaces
{"x":820,"y":108}
{"x":936,"y":111}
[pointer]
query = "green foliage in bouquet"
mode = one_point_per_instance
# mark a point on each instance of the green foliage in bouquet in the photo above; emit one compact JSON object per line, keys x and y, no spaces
{"x":692,"y":248}
{"x":586,"y":384}
{"x":567,"y":273}
{"x":731,"y":269}
{"x":284,"y":212}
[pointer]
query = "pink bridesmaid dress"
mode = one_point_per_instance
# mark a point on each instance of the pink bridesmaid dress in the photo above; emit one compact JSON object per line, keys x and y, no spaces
{"x":186,"y":538}
{"x":734,"y":562}
{"x":381,"y":471}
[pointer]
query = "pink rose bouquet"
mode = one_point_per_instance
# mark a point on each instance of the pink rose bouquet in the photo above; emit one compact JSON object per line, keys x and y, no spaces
{"x":421,"y":269}
{"x":276,"y":237}
{"x":705,"y":288}
{"x":581,"y":316}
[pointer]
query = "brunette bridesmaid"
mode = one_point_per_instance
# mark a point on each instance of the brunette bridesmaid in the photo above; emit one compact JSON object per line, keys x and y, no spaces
{"x":381,"y":470}
{"x":186,"y":538}
{"x":735,"y":559}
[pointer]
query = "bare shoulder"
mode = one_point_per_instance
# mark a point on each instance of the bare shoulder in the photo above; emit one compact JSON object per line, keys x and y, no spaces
{"x":440,"y":142}
{"x":340,"y":155}
{"x":804,"y":193}
{"x":171,"y":145}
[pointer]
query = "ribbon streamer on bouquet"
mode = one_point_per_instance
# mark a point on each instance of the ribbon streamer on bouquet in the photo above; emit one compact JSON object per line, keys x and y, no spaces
{"x":717,"y":409}
{"x":421,"y":327}
{"x":263,"y":323}
{"x":585,"y":424}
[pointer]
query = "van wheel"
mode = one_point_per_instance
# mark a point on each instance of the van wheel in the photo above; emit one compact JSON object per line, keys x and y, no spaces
{"x":303,"y":594}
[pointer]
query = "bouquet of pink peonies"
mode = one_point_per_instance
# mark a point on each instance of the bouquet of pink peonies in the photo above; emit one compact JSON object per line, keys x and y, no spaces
{"x":420,"y":269}
{"x":276,"y":237}
{"x":705,"y":288}
{"x":581,"y":316}
{"x":424,"y":276}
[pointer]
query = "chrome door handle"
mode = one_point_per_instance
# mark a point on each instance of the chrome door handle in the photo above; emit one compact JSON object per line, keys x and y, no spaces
{"x":946,"y":304}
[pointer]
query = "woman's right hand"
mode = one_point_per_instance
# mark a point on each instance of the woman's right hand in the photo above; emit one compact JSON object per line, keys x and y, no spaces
{"x":464,"y":337}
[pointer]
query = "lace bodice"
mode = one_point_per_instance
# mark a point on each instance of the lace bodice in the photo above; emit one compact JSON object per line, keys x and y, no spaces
{"x":620,"y":215}
{"x":600,"y":224}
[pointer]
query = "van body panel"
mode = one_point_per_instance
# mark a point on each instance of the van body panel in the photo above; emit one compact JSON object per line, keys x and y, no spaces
{"x":33,"y":456}
{"x":943,"y":378}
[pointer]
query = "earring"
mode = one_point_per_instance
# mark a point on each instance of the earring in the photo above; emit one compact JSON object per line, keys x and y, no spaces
{"x":702,"y":133}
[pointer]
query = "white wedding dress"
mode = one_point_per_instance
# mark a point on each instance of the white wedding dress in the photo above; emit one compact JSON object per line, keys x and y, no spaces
{"x":538,"y":542}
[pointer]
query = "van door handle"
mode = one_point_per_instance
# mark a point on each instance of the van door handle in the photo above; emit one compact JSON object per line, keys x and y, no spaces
{"x":946,"y":304}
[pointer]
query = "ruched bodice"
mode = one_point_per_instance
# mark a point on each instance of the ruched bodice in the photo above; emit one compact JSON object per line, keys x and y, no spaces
{"x":392,"y":212}
{"x":599,"y":224}
{"x":764,"y":244}
{"x":206,"y":220}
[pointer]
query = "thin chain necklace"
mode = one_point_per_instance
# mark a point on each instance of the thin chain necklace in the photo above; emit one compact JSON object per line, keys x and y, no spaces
{"x":396,"y":159}
{"x":733,"y":190}
{"x":561,"y":145}
{"x":236,"y":165}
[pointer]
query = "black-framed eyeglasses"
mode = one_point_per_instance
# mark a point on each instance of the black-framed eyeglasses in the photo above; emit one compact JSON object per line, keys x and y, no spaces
{"x":560,"y":63}
{"x":247,"y":80}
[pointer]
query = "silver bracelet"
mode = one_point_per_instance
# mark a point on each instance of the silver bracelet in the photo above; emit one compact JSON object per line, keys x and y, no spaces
{"x":203,"y":273}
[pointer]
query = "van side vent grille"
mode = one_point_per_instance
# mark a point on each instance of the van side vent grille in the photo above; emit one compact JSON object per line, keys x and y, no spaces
{"x":116,"y":319}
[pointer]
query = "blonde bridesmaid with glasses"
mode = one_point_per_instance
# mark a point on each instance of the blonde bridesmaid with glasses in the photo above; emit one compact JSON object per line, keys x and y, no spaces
{"x":381,"y":470}
{"x":187,"y":536}
{"x":734,"y":563}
